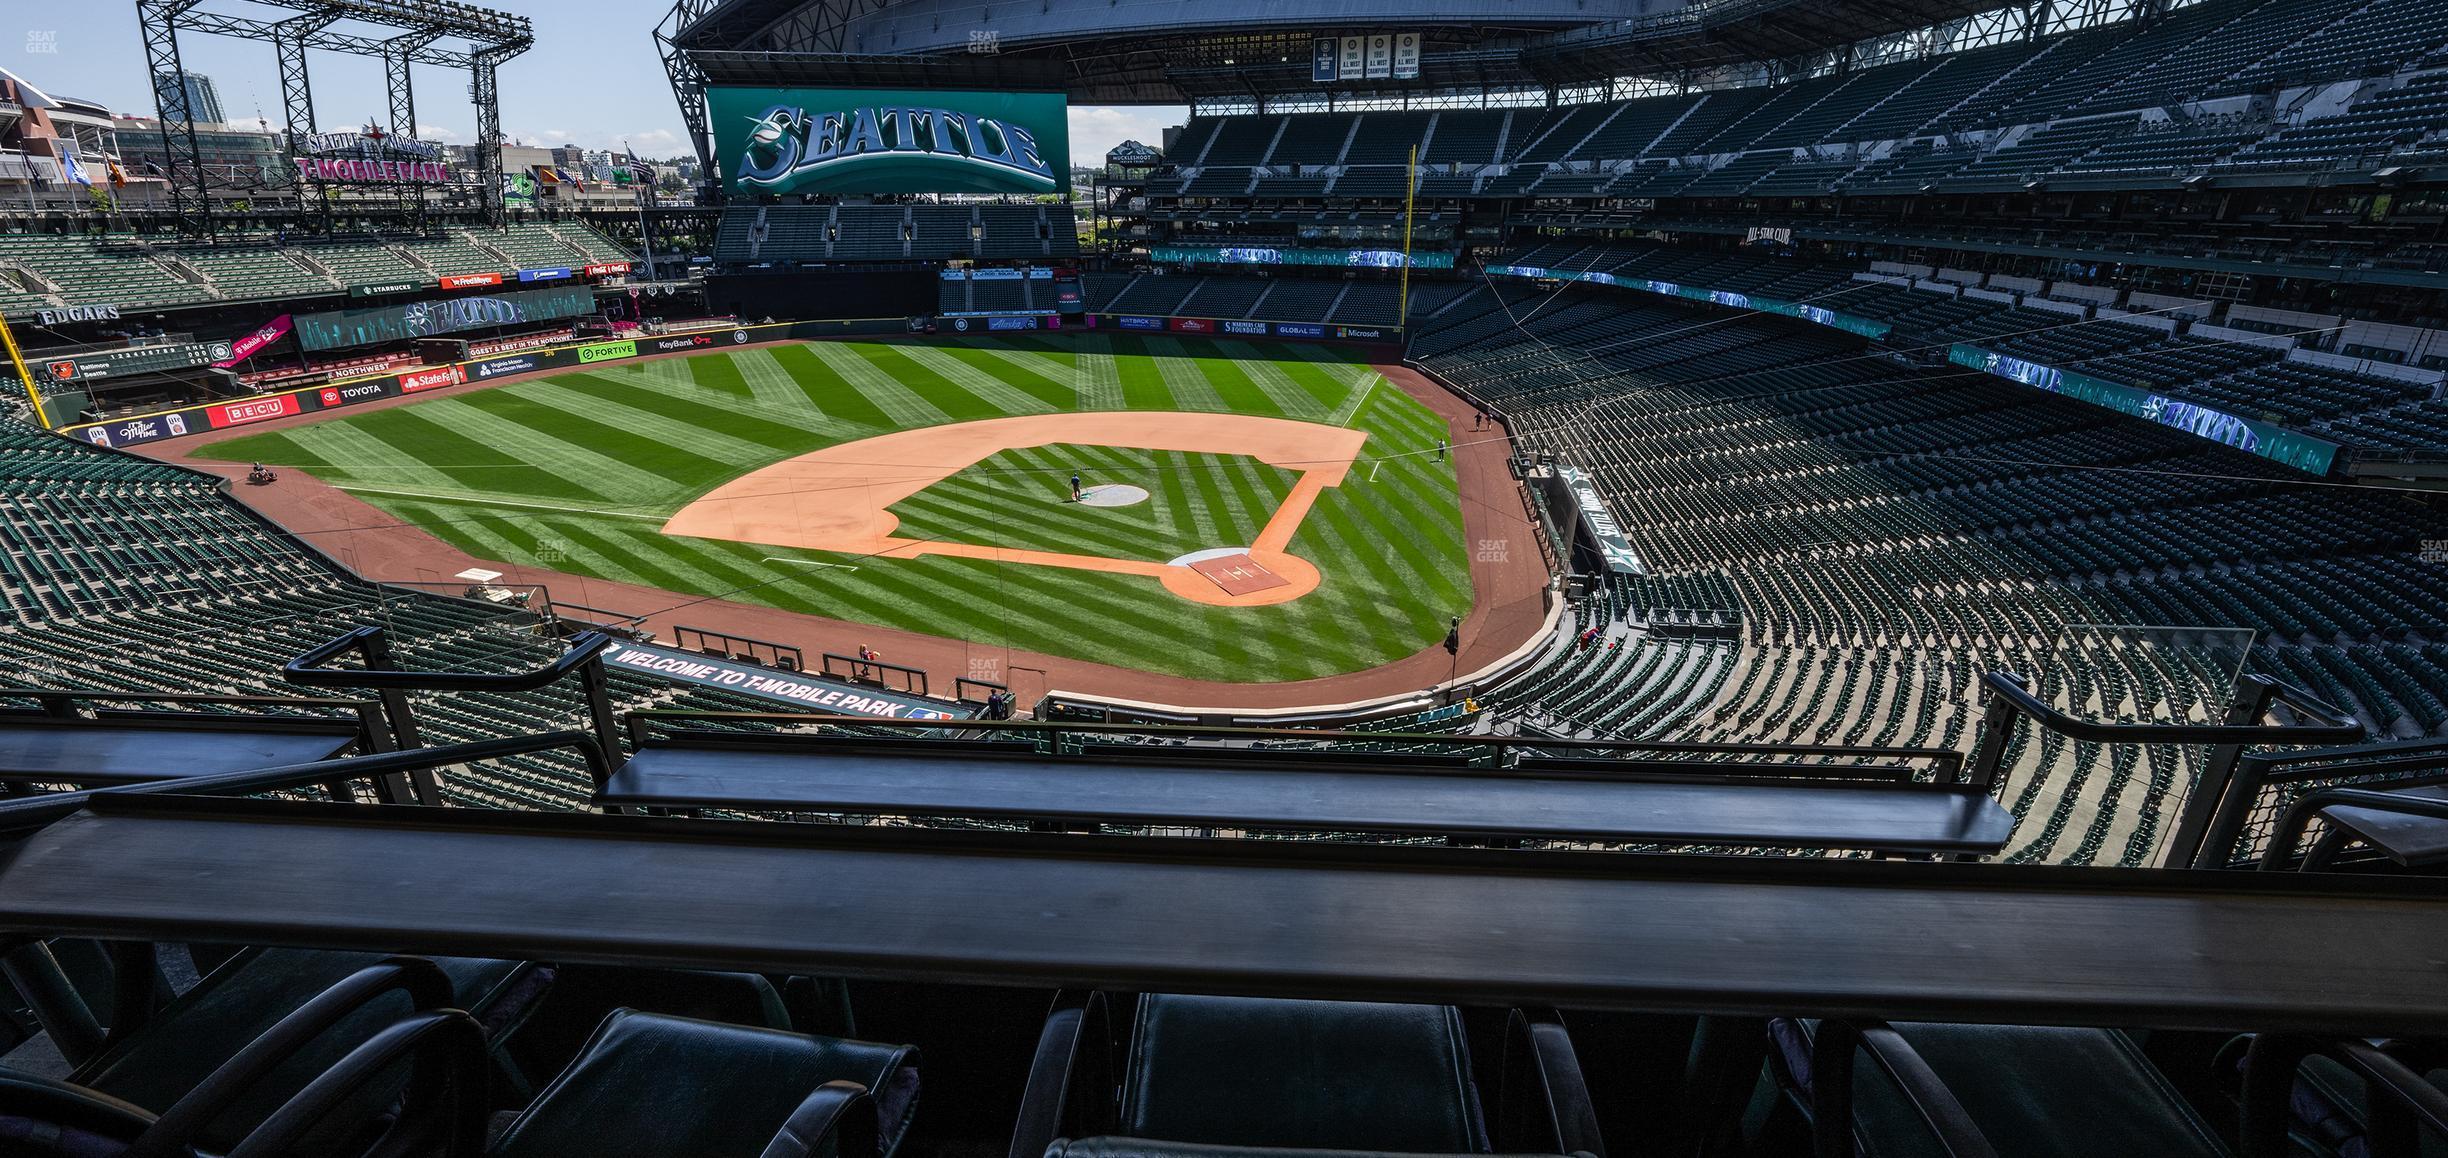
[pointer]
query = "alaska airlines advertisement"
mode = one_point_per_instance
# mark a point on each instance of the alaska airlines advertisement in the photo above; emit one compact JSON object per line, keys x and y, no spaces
{"x":805,"y":140}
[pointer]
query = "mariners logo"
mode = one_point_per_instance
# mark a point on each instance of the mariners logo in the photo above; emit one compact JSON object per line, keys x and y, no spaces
{"x":798,"y":140}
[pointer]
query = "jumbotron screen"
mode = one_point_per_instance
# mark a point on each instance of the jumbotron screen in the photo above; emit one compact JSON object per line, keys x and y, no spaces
{"x":806,"y":140}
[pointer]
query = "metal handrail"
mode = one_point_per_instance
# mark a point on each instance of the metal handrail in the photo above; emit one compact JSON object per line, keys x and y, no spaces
{"x":35,"y":811}
{"x":1946,"y":762}
{"x":309,"y":668}
{"x":2331,"y":725}
{"x":584,"y":656}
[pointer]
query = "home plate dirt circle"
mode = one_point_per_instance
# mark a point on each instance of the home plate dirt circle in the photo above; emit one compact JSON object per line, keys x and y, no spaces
{"x":1113,"y":495}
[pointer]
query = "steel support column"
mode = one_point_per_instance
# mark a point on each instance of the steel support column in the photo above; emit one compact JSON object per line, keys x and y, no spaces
{"x":183,"y":156}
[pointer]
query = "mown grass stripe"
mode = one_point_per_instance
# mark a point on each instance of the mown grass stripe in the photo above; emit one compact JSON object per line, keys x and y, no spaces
{"x":823,"y":387}
{"x":745,"y":423}
{"x":353,"y":452}
{"x":903,"y":407}
{"x":1143,"y":381}
{"x":626,"y":468}
{"x":1286,"y":395}
{"x":457,"y":443}
{"x":1185,"y":378}
{"x":998,"y":396}
{"x":688,"y":434}
{"x":719,"y":373}
{"x":1048,"y":381}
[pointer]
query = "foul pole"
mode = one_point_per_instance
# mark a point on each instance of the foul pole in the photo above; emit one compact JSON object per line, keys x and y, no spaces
{"x":1402,"y":309}
{"x":17,"y":359}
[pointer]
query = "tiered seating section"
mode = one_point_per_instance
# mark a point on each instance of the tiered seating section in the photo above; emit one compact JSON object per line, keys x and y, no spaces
{"x":1276,"y":299}
{"x":46,"y":270}
{"x":2140,"y":104}
{"x":1881,"y":533}
{"x":2308,"y":372}
{"x":128,"y":575}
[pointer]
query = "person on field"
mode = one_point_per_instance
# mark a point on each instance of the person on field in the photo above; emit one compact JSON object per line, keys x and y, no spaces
{"x":1075,"y":486}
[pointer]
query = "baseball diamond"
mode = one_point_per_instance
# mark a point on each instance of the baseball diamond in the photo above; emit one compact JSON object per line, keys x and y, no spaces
{"x":926,"y":486}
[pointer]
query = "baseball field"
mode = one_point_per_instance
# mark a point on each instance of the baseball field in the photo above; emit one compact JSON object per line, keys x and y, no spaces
{"x":1248,"y":511}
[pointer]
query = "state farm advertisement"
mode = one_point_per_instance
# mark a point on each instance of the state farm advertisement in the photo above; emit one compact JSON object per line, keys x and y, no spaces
{"x":255,"y":410}
{"x":470,"y":280}
{"x":434,"y":379}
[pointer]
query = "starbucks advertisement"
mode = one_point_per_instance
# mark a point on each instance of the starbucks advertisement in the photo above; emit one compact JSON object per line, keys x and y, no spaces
{"x":804,"y":140}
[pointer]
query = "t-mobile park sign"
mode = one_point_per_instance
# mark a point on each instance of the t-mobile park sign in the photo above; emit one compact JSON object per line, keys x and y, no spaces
{"x":799,"y":689}
{"x":352,"y":170}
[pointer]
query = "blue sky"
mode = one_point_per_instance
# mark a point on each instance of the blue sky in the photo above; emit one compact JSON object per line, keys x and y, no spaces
{"x":593,"y":78}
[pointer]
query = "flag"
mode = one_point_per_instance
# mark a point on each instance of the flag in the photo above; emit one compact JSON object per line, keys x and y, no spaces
{"x":118,"y":176}
{"x":69,"y":167}
{"x":544,"y":175}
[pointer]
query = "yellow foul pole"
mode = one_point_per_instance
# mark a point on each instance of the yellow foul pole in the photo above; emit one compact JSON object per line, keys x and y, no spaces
{"x":17,"y":359}
{"x":1402,"y":314}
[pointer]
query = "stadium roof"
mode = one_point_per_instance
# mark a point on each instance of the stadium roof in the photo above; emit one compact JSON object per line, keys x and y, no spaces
{"x":1169,"y":51}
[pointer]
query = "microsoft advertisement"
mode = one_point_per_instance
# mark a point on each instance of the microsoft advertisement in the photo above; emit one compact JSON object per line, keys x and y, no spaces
{"x":809,"y":140}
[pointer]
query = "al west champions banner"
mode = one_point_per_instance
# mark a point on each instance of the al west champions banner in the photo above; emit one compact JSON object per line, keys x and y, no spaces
{"x":806,"y":140}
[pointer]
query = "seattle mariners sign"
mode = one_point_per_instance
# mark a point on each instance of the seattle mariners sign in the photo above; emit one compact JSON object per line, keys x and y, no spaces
{"x":774,"y":140}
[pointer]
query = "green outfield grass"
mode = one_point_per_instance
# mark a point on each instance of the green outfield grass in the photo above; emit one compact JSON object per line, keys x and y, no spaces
{"x":576,"y":472}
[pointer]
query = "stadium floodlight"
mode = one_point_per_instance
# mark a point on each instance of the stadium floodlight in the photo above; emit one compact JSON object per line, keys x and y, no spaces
{"x":492,"y":37}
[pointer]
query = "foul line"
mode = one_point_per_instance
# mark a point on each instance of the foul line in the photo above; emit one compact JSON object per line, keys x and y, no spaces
{"x":490,"y":501}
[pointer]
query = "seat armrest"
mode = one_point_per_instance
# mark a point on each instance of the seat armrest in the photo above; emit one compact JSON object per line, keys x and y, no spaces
{"x":837,"y":1110}
{"x":2401,"y":1104}
{"x":459,"y":1077}
{"x":1069,"y":1091}
{"x":180,"y":1125}
{"x":1544,"y":1104}
{"x":1832,"y":1090}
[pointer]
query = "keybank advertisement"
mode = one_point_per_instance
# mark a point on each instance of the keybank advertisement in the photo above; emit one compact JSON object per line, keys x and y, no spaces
{"x":809,"y":140}
{"x":2276,"y":443}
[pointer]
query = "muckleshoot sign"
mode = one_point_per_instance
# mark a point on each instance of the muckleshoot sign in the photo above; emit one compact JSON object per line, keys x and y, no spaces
{"x":803,"y":140}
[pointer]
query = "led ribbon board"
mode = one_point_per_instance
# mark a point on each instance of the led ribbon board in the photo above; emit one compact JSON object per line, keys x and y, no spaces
{"x":797,"y":140}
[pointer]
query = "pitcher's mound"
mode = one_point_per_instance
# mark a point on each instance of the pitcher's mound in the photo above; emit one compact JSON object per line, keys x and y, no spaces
{"x":1113,"y":495}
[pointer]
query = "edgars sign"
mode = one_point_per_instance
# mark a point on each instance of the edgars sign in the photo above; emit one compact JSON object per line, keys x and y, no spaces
{"x":76,"y":314}
{"x":794,"y":140}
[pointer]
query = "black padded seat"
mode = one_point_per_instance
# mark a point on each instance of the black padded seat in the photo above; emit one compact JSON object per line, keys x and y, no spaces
{"x":234,"y":1004}
{"x":1334,"y":1075}
{"x":2015,"y":1083}
{"x":650,"y":1083}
